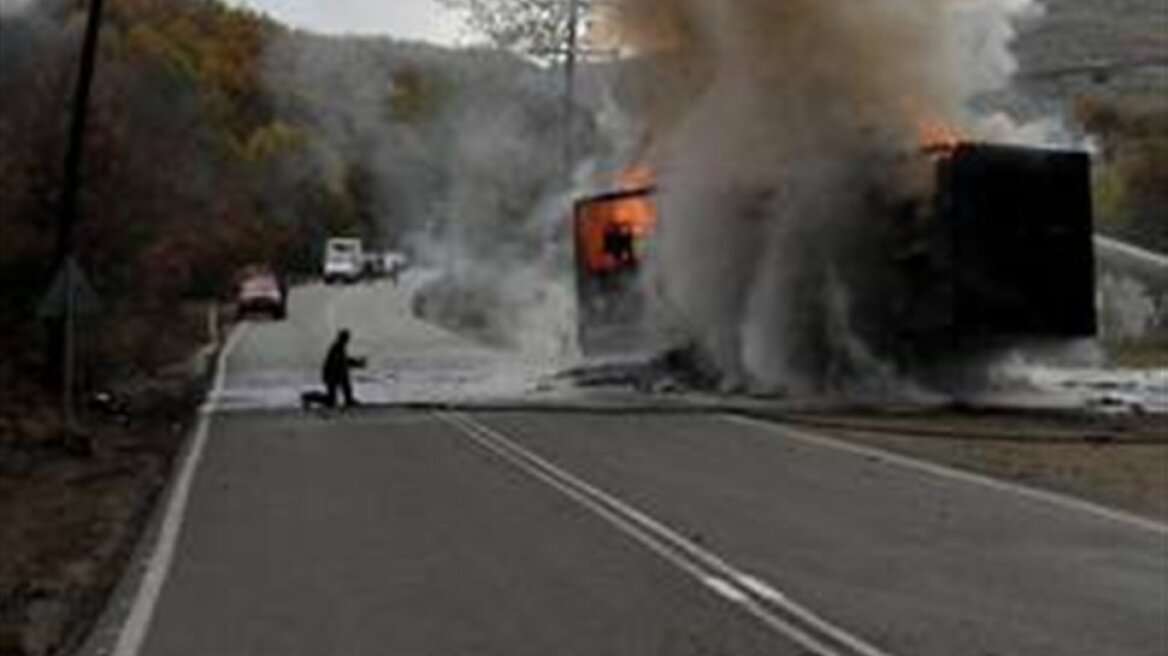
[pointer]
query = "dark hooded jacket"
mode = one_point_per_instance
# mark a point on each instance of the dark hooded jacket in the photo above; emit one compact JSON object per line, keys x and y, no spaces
{"x":337,"y":363}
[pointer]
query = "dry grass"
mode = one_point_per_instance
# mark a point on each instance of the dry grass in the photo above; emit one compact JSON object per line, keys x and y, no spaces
{"x":73,"y":502}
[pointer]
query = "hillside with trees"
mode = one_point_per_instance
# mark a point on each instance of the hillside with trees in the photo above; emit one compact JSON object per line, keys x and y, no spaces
{"x":219,"y":138}
{"x":180,"y":132}
{"x":1105,"y":64}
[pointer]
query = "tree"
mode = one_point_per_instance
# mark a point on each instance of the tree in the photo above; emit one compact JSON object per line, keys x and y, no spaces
{"x":540,"y":28}
{"x":1131,"y":189}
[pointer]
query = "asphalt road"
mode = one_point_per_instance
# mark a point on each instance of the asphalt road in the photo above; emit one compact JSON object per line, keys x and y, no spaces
{"x":423,"y":532}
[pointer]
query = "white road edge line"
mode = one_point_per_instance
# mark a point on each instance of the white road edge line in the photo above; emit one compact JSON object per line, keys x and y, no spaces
{"x":733,"y":585}
{"x":132,"y":635}
{"x":945,"y":471}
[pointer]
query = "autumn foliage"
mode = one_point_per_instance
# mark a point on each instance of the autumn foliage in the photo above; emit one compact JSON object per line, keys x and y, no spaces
{"x":188,"y":171}
{"x":1131,"y":186}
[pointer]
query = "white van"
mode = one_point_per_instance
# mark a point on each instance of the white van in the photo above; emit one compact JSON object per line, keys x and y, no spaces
{"x":344,"y":260}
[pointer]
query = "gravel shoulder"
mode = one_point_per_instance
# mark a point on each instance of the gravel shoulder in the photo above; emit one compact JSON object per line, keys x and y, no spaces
{"x":1121,"y":462}
{"x":73,"y":503}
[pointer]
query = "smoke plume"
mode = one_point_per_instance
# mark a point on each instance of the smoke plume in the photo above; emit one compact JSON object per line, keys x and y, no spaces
{"x":13,"y":7}
{"x":460,"y":160}
{"x":774,"y":124}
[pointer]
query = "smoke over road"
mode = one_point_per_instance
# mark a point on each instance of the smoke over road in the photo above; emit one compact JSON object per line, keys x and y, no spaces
{"x":12,"y":7}
{"x":774,"y":123}
{"x":457,"y":153}
{"x":784,"y":135}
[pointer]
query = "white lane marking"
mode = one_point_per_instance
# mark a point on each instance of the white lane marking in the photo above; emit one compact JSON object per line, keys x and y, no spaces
{"x":762,"y":589}
{"x":137,"y":624}
{"x":765,"y":591}
{"x":638,"y":534}
{"x":951,"y":473}
{"x":726,"y":589}
{"x":687,"y":556}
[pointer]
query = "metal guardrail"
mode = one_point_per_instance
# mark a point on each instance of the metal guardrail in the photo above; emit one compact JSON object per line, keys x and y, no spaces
{"x":1149,"y":267}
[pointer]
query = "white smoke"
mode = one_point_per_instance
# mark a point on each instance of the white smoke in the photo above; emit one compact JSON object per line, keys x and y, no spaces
{"x":13,"y":7}
{"x":775,"y":121}
{"x":977,"y":48}
{"x":469,"y":180}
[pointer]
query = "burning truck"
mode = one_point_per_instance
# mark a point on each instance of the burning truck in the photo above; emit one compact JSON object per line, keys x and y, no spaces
{"x":998,"y":251}
{"x":611,"y":232}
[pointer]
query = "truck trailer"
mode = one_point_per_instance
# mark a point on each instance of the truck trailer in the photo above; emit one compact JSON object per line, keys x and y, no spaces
{"x":1000,"y":251}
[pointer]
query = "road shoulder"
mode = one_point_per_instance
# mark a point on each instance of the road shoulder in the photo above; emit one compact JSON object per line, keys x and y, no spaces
{"x":1116,"y":462}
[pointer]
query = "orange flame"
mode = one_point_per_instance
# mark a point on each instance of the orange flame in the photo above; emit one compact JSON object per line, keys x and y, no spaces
{"x":939,"y":136}
{"x":638,"y":213}
{"x":612,"y":228}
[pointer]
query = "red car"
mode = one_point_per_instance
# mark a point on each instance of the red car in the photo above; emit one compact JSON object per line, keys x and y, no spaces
{"x":261,"y":292}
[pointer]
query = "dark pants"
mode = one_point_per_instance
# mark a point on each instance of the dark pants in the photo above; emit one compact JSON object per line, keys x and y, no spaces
{"x":346,"y":388}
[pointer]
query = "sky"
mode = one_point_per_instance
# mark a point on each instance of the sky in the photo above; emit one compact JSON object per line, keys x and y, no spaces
{"x":424,"y":20}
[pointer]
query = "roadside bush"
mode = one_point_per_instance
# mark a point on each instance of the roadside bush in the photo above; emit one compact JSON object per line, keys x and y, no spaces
{"x":1131,"y":186}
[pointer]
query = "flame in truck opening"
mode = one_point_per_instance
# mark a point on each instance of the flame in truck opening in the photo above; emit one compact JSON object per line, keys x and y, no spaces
{"x":939,"y":136}
{"x":780,"y":136}
{"x":612,"y":229}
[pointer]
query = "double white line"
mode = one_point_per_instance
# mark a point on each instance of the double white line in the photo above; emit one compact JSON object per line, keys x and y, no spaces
{"x":773,"y":608}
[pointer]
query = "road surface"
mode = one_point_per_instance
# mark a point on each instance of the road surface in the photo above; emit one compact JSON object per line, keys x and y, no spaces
{"x":432,"y":531}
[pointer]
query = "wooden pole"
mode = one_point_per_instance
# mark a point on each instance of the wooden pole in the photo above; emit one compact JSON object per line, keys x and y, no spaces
{"x":570,"y":87}
{"x":66,"y":242}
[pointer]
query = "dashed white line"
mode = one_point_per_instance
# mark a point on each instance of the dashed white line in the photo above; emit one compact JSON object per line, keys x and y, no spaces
{"x":137,"y":624}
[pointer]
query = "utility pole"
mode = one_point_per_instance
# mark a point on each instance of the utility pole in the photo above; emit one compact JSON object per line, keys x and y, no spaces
{"x":66,"y":236}
{"x":570,"y":87}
